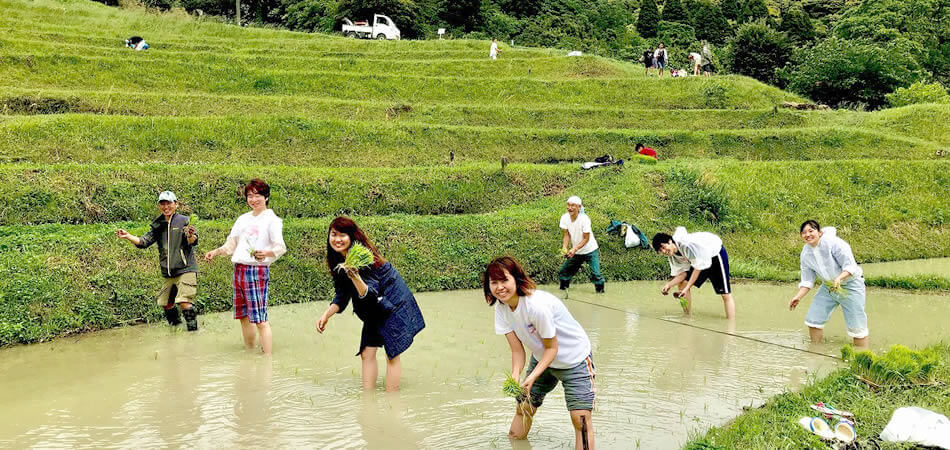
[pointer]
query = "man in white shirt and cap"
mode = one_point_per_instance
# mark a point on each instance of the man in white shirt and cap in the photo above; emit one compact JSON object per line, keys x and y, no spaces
{"x":579,"y":246}
{"x":695,"y":258}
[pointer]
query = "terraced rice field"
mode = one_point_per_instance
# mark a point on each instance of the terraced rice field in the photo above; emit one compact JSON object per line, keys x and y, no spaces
{"x":410,"y":137}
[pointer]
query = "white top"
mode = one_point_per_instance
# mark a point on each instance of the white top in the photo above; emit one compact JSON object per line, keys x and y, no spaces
{"x":542,"y":315}
{"x":576,"y":230}
{"x":828,"y":259}
{"x":261,"y":232}
{"x":660,"y":53}
{"x":697,"y":58}
{"x":696,"y":250}
{"x":494,"y":49}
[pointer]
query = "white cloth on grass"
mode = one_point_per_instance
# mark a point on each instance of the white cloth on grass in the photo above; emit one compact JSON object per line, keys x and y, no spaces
{"x":576,"y":230}
{"x":542,"y":315}
{"x":918,"y":425}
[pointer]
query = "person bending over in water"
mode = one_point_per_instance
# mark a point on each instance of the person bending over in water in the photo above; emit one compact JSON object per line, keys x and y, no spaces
{"x":560,"y":348}
{"x":381,"y":299}
{"x":255,"y":242}
{"x":695,"y":258}
{"x":828,"y":258}
{"x":176,"y":240}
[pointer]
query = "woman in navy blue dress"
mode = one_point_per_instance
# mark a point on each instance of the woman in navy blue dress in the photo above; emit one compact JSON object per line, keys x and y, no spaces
{"x":381,"y":299}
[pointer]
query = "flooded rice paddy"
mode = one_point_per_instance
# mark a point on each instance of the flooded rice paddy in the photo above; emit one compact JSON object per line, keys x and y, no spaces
{"x":660,"y":376}
{"x":933,"y":266}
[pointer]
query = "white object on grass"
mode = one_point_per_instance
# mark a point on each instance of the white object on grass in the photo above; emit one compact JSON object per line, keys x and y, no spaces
{"x":575,"y":53}
{"x":918,"y":425}
{"x":818,"y":426}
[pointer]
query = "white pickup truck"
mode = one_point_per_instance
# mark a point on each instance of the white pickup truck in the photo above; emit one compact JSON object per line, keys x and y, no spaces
{"x":382,"y":28}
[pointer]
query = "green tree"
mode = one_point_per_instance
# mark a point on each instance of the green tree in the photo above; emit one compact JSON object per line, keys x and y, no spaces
{"x":797,"y":25}
{"x":310,"y":15}
{"x":754,"y":10}
{"x":710,"y":24}
{"x":731,"y":9}
{"x":924,"y":22}
{"x":841,"y":73}
{"x":673,"y":11}
{"x":647,"y":18}
{"x":757,"y":51}
{"x":463,"y":14}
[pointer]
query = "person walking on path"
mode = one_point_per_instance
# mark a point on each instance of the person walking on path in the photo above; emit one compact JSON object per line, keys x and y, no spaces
{"x":255,"y":242}
{"x":381,"y":299}
{"x":707,"y":59}
{"x":661,"y":57}
{"x":695,"y":258}
{"x":560,"y":348}
{"x":827,"y":258}
{"x":494,"y":50}
{"x":579,"y":246}
{"x":176,"y":239}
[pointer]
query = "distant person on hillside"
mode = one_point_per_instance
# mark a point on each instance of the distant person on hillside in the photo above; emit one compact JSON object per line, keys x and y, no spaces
{"x":579,"y":246}
{"x":708,"y":67}
{"x":695,"y":258}
{"x":136,"y":43}
{"x":647,"y":61}
{"x":647,"y":151}
{"x":558,"y":347}
{"x":255,"y":242}
{"x":696,"y":60}
{"x":828,"y":259}
{"x":494,"y":50}
{"x":176,"y":240}
{"x":661,"y":57}
{"x":381,"y":299}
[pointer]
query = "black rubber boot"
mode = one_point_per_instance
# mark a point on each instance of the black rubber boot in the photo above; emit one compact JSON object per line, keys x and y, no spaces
{"x":191,"y":318}
{"x":172,"y":315}
{"x":565,"y":285}
{"x":599,"y":288}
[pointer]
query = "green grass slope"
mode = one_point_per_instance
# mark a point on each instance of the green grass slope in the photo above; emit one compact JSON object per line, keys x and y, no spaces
{"x":410,"y":137}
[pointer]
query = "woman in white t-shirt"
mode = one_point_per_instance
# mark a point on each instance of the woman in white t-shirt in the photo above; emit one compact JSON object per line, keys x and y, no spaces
{"x":579,"y":246}
{"x":255,"y":242}
{"x":560,"y":348}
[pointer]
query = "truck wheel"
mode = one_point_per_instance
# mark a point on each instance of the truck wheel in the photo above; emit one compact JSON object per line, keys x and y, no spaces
{"x":380,"y":36}
{"x":352,"y":34}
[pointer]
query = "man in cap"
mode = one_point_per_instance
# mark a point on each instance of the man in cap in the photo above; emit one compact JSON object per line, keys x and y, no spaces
{"x":176,"y":240}
{"x":579,"y":246}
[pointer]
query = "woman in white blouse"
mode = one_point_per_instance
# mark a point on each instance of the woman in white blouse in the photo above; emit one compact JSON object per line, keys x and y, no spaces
{"x":828,"y":259}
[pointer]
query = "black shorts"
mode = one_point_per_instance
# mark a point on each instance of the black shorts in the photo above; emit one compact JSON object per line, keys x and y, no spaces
{"x":708,"y":67}
{"x":717,"y":274}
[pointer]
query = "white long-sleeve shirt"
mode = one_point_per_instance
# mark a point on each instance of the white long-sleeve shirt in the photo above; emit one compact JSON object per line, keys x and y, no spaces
{"x":261,"y":232}
{"x":696,"y":250}
{"x":829,"y":258}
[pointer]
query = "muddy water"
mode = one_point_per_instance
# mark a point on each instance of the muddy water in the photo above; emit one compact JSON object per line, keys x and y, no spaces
{"x":933,"y":266}
{"x":153,"y":386}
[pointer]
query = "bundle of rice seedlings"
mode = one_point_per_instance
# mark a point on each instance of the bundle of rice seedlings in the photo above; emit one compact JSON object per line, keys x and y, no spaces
{"x":684,"y":303}
{"x":250,"y":247}
{"x":357,"y":257}
{"x":563,"y":252}
{"x":511,"y":388}
{"x":900,"y":365}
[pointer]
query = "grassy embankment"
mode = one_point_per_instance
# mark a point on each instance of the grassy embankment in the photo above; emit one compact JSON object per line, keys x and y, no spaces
{"x":366,"y":128}
{"x":774,"y":425}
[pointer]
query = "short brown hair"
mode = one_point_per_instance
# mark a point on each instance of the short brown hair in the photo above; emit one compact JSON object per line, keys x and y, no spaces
{"x":259,"y":186}
{"x":496,"y":271}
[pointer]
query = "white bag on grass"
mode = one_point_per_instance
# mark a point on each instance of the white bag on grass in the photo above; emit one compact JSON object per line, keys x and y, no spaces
{"x":918,"y":425}
{"x":630,"y":239}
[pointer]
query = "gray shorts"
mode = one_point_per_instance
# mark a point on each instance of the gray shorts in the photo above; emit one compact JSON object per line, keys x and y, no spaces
{"x":578,"y":384}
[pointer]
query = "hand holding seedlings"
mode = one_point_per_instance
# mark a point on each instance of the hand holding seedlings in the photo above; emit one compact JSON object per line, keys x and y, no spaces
{"x":122,"y":234}
{"x":357,"y":257}
{"x":666,"y":289}
{"x":793,"y":303}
